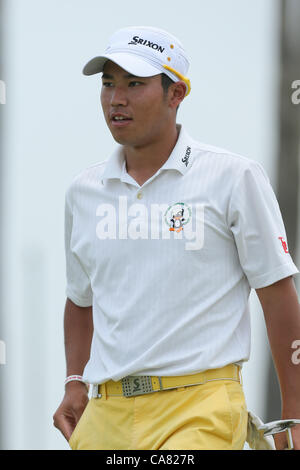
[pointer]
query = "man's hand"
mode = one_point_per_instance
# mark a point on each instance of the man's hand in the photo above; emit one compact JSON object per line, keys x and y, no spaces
{"x":281,"y":309}
{"x":78,"y":329}
{"x":71,"y":408}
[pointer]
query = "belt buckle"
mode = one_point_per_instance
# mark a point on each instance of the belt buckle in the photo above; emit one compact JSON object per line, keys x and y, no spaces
{"x":136,"y":385}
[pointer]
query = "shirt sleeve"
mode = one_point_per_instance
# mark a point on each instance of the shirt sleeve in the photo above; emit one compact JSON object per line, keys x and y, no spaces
{"x":256,"y":223}
{"x":78,"y":286}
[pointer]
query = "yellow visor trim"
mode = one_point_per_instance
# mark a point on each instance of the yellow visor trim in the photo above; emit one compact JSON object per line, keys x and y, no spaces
{"x":181,"y":77}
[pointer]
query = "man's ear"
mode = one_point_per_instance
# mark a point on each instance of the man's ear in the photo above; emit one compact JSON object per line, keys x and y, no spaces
{"x":177,"y":93}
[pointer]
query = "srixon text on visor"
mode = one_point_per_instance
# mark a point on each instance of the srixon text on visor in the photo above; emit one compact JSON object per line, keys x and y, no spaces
{"x":145,"y":42}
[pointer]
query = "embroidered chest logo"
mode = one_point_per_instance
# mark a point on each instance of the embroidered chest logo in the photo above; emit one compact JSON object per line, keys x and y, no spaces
{"x":177,"y":216}
{"x":185,"y":160}
{"x":284,"y":245}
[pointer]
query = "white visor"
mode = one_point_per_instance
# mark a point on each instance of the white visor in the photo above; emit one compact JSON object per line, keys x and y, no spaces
{"x":131,"y":63}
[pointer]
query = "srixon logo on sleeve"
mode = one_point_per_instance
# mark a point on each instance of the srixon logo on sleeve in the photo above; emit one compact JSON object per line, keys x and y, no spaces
{"x":136,"y":40}
{"x":284,"y":245}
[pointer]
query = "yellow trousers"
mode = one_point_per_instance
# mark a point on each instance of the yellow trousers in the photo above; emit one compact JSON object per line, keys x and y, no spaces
{"x":210,"y":416}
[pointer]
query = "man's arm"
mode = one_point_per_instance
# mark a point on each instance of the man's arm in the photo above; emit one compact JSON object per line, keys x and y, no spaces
{"x":78,"y":328}
{"x":281,"y":309}
{"x":78,"y":331}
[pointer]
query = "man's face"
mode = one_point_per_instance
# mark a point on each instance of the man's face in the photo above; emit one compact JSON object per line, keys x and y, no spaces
{"x":135,"y":108}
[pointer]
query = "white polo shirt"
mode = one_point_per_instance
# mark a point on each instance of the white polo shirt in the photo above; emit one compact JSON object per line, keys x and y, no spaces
{"x":168,"y":266}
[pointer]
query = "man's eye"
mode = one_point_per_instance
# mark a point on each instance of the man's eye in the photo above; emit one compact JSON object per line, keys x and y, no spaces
{"x":107,"y":84}
{"x":135,"y":83}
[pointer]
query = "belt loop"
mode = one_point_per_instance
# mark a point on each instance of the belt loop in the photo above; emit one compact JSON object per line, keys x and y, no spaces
{"x":160,"y":383}
{"x":240,"y":375}
{"x":104,"y":391}
{"x":95,"y":391}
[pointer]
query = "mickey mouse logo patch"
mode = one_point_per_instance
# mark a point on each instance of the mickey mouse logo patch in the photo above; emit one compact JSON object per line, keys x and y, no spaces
{"x":178,"y":215}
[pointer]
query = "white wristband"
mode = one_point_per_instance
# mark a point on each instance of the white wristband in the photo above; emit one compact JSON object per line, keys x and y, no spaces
{"x":78,"y":378}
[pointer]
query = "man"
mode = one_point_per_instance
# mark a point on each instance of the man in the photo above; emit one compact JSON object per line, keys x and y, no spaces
{"x":164,"y":241}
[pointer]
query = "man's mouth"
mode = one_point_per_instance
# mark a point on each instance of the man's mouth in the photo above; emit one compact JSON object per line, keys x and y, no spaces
{"x":119,"y":120}
{"x":120,"y":117}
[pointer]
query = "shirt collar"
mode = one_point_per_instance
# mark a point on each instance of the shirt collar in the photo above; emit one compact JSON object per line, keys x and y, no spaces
{"x":180,"y":158}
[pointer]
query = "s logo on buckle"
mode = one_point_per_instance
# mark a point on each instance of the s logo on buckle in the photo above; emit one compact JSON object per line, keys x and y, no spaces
{"x":137,"y":385}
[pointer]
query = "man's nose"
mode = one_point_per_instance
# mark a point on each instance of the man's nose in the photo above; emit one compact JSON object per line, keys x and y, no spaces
{"x":119,"y":97}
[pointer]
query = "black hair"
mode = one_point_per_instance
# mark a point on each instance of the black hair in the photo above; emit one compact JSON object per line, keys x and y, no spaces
{"x":166,"y":82}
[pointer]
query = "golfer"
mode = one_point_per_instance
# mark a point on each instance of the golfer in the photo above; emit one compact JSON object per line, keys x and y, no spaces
{"x":164,"y":240}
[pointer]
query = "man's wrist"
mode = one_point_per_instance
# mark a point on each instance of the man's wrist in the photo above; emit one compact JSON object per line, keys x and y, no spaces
{"x":75,"y":379}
